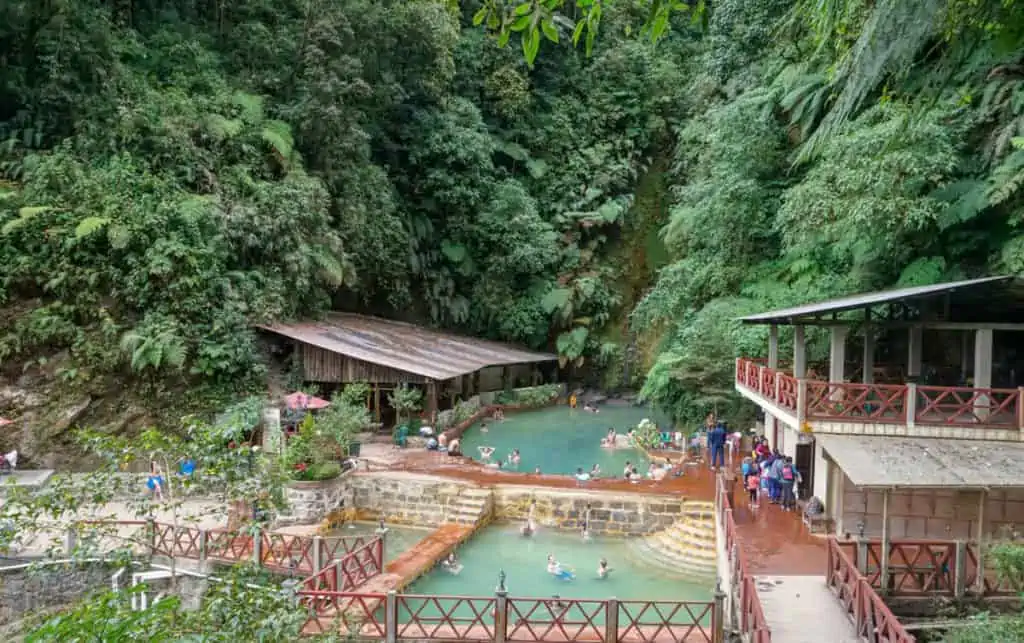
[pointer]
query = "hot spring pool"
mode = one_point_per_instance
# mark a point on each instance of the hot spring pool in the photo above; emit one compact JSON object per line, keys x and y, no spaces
{"x":559,"y":440}
{"x":399,"y":539}
{"x":524,"y":561}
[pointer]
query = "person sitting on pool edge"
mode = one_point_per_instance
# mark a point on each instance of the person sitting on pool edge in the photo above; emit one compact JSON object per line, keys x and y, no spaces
{"x":454,"y":447}
{"x":581,"y":475}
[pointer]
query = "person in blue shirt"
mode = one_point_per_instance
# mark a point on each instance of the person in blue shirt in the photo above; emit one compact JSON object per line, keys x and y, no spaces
{"x":716,"y":443}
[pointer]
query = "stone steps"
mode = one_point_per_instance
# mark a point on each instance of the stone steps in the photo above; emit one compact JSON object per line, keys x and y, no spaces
{"x":471,"y":507}
{"x":641,"y":552}
{"x":686,"y":549}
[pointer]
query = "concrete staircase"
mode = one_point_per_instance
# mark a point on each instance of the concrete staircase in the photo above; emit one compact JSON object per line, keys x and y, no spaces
{"x":472,"y":507}
{"x":687,"y":549}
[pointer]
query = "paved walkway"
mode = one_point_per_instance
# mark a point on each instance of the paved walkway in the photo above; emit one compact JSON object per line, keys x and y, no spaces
{"x":801,"y":609}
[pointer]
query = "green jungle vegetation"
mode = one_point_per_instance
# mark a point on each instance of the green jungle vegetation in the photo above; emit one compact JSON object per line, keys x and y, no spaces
{"x":616,"y":180}
{"x":613,"y":180}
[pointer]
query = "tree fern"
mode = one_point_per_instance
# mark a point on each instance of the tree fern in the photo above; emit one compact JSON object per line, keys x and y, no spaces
{"x":1007,"y":178}
{"x":90,"y":225}
{"x":25,"y":216}
{"x":278,"y":135}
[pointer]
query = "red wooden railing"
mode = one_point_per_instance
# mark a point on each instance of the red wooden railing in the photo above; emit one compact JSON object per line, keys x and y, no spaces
{"x":279,"y":552}
{"x":885,"y":403}
{"x":872,"y":618}
{"x":416,"y":617}
{"x":349,"y":572}
{"x":925,"y":568}
{"x":752,"y":621}
{"x":967,"y":406}
{"x":857,"y":402}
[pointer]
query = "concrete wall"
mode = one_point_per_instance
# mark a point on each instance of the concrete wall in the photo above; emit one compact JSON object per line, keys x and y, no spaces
{"x":938,"y":514}
{"x":610,"y":513}
{"x":402,"y":498}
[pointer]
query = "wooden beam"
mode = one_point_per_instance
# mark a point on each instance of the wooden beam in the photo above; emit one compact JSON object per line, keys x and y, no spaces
{"x":376,"y":401}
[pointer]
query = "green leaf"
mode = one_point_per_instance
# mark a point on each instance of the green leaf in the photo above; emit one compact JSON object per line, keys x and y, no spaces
{"x":455,"y":252}
{"x":550,"y":31}
{"x":521,"y":23}
{"x":30,"y":211}
{"x":524,"y":8}
{"x":89,"y":225}
{"x":577,"y":32}
{"x":479,"y":16}
{"x":503,"y":38}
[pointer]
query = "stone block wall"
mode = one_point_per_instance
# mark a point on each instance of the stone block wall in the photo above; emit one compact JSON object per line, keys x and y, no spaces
{"x":932,"y":513}
{"x":310,"y":502}
{"x":610,"y":513}
{"x":404,"y":498}
{"x":25,"y":590}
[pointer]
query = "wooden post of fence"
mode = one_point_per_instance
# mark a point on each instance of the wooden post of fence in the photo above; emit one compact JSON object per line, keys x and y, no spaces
{"x":202,"y":545}
{"x":151,"y":534}
{"x":500,"y":615}
{"x":862,"y":555}
{"x":910,"y":404}
{"x":257,"y":545}
{"x":318,"y":563}
{"x":391,"y":617}
{"x":960,"y":569}
{"x":611,"y":620}
{"x":718,"y":616}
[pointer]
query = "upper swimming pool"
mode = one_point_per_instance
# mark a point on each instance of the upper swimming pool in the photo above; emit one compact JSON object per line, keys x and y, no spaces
{"x":559,"y":440}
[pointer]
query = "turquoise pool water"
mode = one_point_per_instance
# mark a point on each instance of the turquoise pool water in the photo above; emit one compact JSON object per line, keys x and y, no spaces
{"x":558,"y":440}
{"x":398,"y":540}
{"x":524,"y":560}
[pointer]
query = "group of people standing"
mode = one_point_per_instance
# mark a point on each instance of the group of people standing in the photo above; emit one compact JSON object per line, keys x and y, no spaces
{"x":768,"y":473}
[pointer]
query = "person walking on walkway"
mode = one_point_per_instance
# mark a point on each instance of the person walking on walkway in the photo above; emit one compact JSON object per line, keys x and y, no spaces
{"x":788,"y":477}
{"x":716,"y":442}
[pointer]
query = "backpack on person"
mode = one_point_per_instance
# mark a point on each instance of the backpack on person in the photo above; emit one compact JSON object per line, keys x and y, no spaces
{"x":753,"y":482}
{"x":787,"y":473}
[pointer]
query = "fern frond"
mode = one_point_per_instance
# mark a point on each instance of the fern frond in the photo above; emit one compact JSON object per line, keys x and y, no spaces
{"x":90,"y":225}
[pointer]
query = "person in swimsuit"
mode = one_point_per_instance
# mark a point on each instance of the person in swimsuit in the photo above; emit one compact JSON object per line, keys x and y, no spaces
{"x":603,"y":569}
{"x":555,"y":569}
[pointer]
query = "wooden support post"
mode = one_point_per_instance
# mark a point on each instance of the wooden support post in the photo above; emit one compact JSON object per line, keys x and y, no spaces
{"x":257,"y":545}
{"x":718,"y":617}
{"x":376,"y":402}
{"x":318,"y":563}
{"x":432,"y":402}
{"x":979,"y":582}
{"x":611,"y":621}
{"x":391,"y":617}
{"x":960,"y":570}
{"x":885,"y":542}
{"x":476,"y":382}
{"x":501,"y":616}
{"x":506,"y":374}
{"x":202,"y":545}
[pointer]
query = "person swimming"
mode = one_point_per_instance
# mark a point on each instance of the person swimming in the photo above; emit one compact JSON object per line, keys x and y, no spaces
{"x":530,"y":526}
{"x":451,"y":564}
{"x":603,"y":569}
{"x":485,"y":453}
{"x":483,"y":428}
{"x":514,"y":458}
{"x":555,"y":569}
{"x":595,"y":470}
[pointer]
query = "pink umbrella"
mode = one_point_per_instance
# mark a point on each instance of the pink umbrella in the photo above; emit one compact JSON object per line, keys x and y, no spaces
{"x":300,"y":400}
{"x":5,"y":421}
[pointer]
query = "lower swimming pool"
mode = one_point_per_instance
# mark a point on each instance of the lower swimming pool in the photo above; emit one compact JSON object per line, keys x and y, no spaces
{"x":559,"y":440}
{"x":524,"y":560}
{"x":399,"y":539}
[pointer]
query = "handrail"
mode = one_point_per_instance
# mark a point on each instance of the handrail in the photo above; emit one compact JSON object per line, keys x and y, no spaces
{"x":744,"y":589}
{"x":985,"y":408}
{"x":872,"y":618}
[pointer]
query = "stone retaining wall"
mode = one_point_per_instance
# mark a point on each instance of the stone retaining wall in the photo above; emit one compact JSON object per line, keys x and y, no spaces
{"x":611,"y":513}
{"x":310,"y":502}
{"x":404,"y":499}
{"x":25,"y":589}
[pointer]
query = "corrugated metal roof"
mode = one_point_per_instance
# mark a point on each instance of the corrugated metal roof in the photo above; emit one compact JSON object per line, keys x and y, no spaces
{"x":413,"y":349}
{"x":873,"y":461}
{"x":865,"y":300}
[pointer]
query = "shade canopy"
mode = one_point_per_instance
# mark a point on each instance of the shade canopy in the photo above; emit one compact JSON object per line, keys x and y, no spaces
{"x":971,"y":300}
{"x":300,"y":400}
{"x":405,"y":347}
{"x":926,"y":463}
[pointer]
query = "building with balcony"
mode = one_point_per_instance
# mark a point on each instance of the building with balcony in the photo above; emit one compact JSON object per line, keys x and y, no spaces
{"x":914,"y":426}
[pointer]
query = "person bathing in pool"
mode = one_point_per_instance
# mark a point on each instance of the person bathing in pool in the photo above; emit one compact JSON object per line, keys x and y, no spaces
{"x":603,"y":569}
{"x":555,"y":569}
{"x":486,"y":453}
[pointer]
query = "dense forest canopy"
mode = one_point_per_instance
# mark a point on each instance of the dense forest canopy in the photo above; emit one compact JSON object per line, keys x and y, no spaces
{"x":619,"y":181}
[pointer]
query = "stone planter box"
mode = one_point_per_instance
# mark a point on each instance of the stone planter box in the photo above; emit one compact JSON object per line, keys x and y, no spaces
{"x":309,"y":501}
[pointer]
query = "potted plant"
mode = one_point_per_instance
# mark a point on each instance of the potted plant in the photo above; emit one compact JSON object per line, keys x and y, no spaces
{"x":323,"y":441}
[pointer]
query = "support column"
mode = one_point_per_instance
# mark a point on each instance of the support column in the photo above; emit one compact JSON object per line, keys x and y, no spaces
{"x":506,"y":378}
{"x":376,"y":402}
{"x":432,"y":402}
{"x":773,"y":346}
{"x":884,"y":584}
{"x":837,"y":360}
{"x":982,"y":370}
{"x":979,"y":582}
{"x":868,"y":376}
{"x":915,"y":335}
{"x":799,"y":353}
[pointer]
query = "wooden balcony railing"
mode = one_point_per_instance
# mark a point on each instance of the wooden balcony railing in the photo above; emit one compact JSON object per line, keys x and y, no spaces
{"x":813,"y":399}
